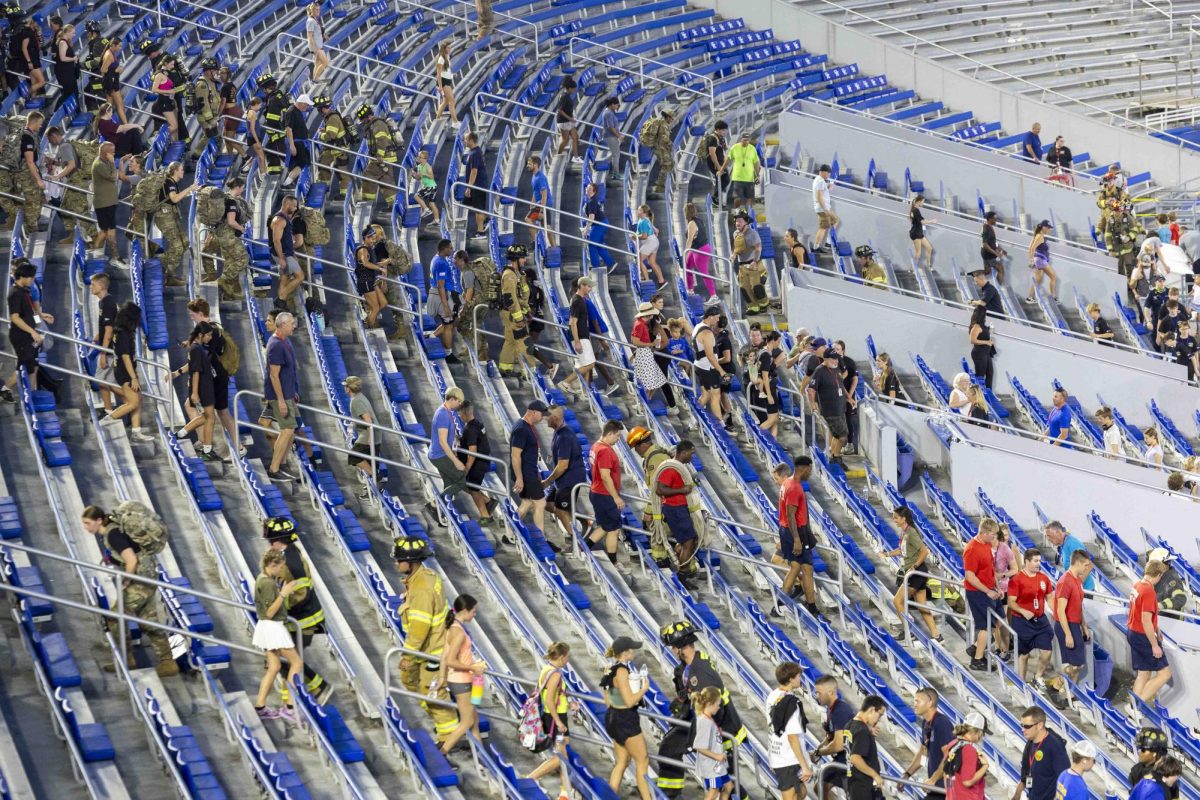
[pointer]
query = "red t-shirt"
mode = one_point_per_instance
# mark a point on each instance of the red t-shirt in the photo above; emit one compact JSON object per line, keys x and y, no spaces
{"x":605,"y":457}
{"x":978,"y":558}
{"x":1030,"y":591}
{"x":970,"y":765}
{"x":792,"y":494}
{"x":1144,"y":599}
{"x":671,"y":479}
{"x":641,"y":330}
{"x":1070,"y":588}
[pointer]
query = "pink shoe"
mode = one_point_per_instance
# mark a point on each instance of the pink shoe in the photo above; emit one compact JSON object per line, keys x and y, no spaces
{"x":289,"y":715}
{"x":266,"y":712}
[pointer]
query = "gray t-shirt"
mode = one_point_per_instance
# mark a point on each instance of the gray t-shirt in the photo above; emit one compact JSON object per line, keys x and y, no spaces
{"x":752,"y":240}
{"x":313,"y":28}
{"x":708,"y":737}
{"x":469,"y":281}
{"x":359,"y":405}
{"x":1190,"y":243}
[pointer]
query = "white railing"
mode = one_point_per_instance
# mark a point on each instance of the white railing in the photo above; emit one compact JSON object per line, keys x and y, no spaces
{"x":301,"y":52}
{"x":233,"y":25}
{"x":466,"y":19}
{"x":1154,"y":6}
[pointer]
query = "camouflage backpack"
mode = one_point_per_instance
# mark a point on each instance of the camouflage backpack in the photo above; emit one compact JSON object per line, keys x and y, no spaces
{"x":399,"y":264}
{"x":10,"y":149}
{"x":651,"y":131}
{"x":147,"y":194}
{"x":86,"y":151}
{"x":230,"y":356}
{"x":142,"y":525}
{"x":314,"y":221}
{"x":210,"y":206}
{"x":487,"y":282}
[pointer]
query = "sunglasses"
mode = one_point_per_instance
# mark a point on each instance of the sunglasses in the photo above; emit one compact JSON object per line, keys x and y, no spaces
{"x":1028,"y":725}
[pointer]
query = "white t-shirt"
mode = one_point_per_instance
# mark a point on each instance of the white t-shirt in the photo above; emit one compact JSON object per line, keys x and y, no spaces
{"x":821,"y":194}
{"x":1114,"y":442}
{"x":779,"y":752}
{"x":313,"y":27}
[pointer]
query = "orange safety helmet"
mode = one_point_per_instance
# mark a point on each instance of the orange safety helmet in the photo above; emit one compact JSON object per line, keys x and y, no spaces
{"x":637,"y":436}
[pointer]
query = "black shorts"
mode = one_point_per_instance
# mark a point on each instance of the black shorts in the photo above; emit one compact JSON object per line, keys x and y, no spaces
{"x":787,"y":777}
{"x":532,"y":488}
{"x":560,"y":496}
{"x":916,"y":583}
{"x":1074,"y":656}
{"x":708,"y":378}
{"x":477,"y":199}
{"x":478,"y":471}
{"x":1032,"y":634}
{"x":787,"y":545}
{"x":303,"y":157}
{"x":743,"y":190}
{"x":27,"y":355}
{"x":554,"y":731}
{"x":163,"y":104}
{"x":622,"y":724}
{"x":427,"y":193}
{"x":361,"y":452}
{"x":206,"y":394}
{"x":106,"y":218}
{"x":220,"y":388}
{"x":446,"y":82}
{"x":679,"y":523}
{"x":608,"y":516}
{"x":980,"y":604}
{"x":861,"y":789}
{"x":838,"y":428}
{"x":365,"y":280}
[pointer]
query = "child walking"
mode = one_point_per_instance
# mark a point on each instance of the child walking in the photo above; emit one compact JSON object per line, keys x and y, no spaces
{"x":270,"y":633}
{"x":711,"y":766}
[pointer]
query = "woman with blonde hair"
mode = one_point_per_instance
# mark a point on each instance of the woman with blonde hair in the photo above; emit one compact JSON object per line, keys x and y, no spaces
{"x":960,"y":399}
{"x":552,"y":697}
{"x":886,"y":381}
{"x":66,"y":64}
{"x":314,"y":32}
{"x":271,"y":633}
{"x":444,"y":77}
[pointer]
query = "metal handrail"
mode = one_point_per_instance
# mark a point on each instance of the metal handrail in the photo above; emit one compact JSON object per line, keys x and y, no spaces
{"x":465,"y":19}
{"x":237,"y":23}
{"x":323,"y":287}
{"x":823,"y":782}
{"x":642,"y":61}
{"x":372,"y":456}
{"x":86,"y":377}
{"x":90,"y":345}
{"x":461,"y":184}
{"x":1169,"y":13}
{"x":188,"y":590}
{"x":1117,"y":119}
{"x":359,"y":59}
{"x":728,"y":281}
{"x":907,"y":602}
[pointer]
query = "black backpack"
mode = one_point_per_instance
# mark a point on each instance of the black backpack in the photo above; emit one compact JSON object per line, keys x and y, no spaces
{"x":953,"y":762}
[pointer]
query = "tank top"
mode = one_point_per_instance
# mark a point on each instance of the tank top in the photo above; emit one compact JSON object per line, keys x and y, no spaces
{"x":702,"y":361}
{"x":543,"y":679}
{"x":701,"y":238}
{"x":465,"y":655}
{"x":443,"y":65}
{"x":166,"y":85}
{"x":984,"y":334}
{"x":59,"y":64}
{"x":1043,"y":249}
{"x":287,"y":244}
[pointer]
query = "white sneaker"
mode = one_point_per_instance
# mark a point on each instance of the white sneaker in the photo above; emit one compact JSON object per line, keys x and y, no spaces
{"x":576,"y":160}
{"x":137,"y":435}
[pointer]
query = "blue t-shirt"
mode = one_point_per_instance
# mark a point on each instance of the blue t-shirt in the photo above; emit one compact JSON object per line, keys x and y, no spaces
{"x":443,"y":419}
{"x":565,"y":446}
{"x":281,"y":354}
{"x":443,"y":269}
{"x":680,"y":348}
{"x":1071,"y":787}
{"x":473,"y":160}
{"x":522,"y":436}
{"x":1069,"y":546}
{"x":1031,"y":142}
{"x":644,"y":226}
{"x":608,"y":119}
{"x":936,"y":734}
{"x":1147,"y":789}
{"x":539,"y":185}
{"x":1060,"y":421}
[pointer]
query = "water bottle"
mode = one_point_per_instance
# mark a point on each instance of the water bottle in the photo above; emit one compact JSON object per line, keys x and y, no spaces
{"x":637,"y":679}
{"x":476,"y":690}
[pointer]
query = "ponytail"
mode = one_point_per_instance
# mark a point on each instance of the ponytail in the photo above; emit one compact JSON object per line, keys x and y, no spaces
{"x":462,"y":604}
{"x":96,"y":513}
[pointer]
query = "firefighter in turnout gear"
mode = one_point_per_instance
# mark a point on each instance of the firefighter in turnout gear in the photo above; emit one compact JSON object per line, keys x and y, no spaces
{"x":274,"y":105}
{"x":514,"y":311}
{"x":334,"y":132}
{"x":96,"y":44}
{"x":303,"y":604}
{"x":423,"y":615}
{"x":694,"y":672}
{"x":674,"y":524}
{"x":208,"y":100}
{"x":380,"y":174}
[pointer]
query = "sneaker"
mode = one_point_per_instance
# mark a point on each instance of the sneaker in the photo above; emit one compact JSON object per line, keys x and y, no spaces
{"x":978,"y":665}
{"x":266,"y":712}
{"x":242,"y":451}
{"x":479,"y":236}
{"x":172,"y":282}
{"x":209,"y":456}
{"x":507,"y":537}
{"x":137,"y":434}
{"x":6,"y":395}
{"x":576,"y":160}
{"x":1039,"y":686}
{"x":289,"y":715}
{"x":280,"y":475}
{"x":433,"y":226}
{"x":363,"y":492}
{"x":490,"y":506}
{"x":436,"y":513}
{"x":452,"y":359}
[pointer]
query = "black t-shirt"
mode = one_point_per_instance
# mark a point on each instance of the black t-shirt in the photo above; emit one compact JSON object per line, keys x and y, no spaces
{"x":1099,"y":326}
{"x":1060,"y":156}
{"x":293,"y":118}
{"x":831,"y":395}
{"x":108,"y":312}
{"x":118,"y":541}
{"x":200,"y":363}
{"x":522,"y":436}
{"x":169,"y":185}
{"x":18,"y":45}
{"x":582,"y":317}
{"x":20,"y":304}
{"x":566,"y":108}
{"x":989,"y":240}
{"x":766,"y":365}
{"x":936,"y":734}
{"x":851,"y":371}
{"x":712,"y":140}
{"x":810,"y":366}
{"x":473,"y":160}
{"x":1043,"y":763}
{"x":28,"y":145}
{"x":474,"y":435}
{"x":861,"y":742}
{"x":990,"y":296}
{"x":228,"y":93}
{"x":891,"y":383}
{"x":837,"y":718}
{"x":234,"y":207}
{"x":124,"y":343}
{"x":1185,"y":348}
{"x":916,"y":219}
{"x":724,"y":347}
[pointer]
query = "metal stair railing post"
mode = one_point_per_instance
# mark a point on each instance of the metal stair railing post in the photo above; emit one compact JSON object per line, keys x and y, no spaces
{"x":282,"y":51}
{"x":339,"y":292}
{"x":828,"y":767}
{"x":237,"y":23}
{"x":465,"y":19}
{"x":708,"y":93}
{"x":372,"y":457}
{"x":908,"y":603}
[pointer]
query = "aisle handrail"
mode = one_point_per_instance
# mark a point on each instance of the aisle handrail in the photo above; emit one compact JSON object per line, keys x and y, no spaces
{"x":709,"y":84}
{"x":359,"y":59}
{"x":237,"y":23}
{"x":465,"y":19}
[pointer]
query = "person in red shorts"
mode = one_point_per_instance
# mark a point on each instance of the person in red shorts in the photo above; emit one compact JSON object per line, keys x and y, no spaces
{"x":979,"y":567}
{"x":1145,"y":640}
{"x":796,"y":541}
{"x":1071,"y":630}
{"x":1028,"y":591}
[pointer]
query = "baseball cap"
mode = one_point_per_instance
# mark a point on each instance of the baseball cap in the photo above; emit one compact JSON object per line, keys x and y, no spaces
{"x":623,"y":643}
{"x":304,"y":99}
{"x":831,"y":354}
{"x":712,"y":311}
{"x":1084,"y":749}
{"x":745,"y":135}
{"x":1045,"y":224}
{"x":818,"y":343}
{"x":538,"y":406}
{"x":975,"y":720}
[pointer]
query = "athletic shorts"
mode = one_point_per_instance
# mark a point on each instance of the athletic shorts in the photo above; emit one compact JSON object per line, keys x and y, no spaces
{"x":980,"y":604}
{"x":916,"y":583}
{"x":838,"y":428}
{"x":456,"y":688}
{"x":106,"y":218}
{"x":679,"y":523}
{"x":622,"y":724}
{"x":708,"y":378}
{"x":718,"y":782}
{"x":303,"y":157}
{"x":787,"y":545}
{"x":293,"y":266}
{"x":560,"y":497}
{"x":361,"y":452}
{"x":608,"y":517}
{"x":743,"y":190}
{"x":1074,"y":656}
{"x":565,"y":127}
{"x":288,"y":422}
{"x":1032,"y":634}
{"x":827,"y":220}
{"x":1142,"y":655}
{"x":787,"y":777}
{"x":477,"y":199}
{"x":427,"y":193}
{"x":531,"y":488}
{"x":586,"y":356}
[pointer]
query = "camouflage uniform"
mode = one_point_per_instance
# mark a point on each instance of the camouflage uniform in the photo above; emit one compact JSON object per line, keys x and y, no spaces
{"x":166,"y":218}
{"x":35,"y":197}
{"x":235,"y":258}
{"x":664,"y":149}
{"x":514,"y":316}
{"x":141,"y":600}
{"x":487,"y":18}
{"x":75,"y":196}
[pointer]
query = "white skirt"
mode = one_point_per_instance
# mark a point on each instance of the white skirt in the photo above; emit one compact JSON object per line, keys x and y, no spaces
{"x":648,"y":246}
{"x":272,"y":635}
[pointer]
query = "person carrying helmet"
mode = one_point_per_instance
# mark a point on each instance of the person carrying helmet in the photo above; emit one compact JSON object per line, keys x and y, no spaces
{"x":514,"y":311}
{"x":1171,"y":589}
{"x":672,"y":516}
{"x":656,"y":135}
{"x":380,"y":174}
{"x":302,"y":604}
{"x":208,"y":100}
{"x":695,"y":671}
{"x":335,"y":134}
{"x":275,"y":105}
{"x":1152,"y":747}
{"x":423,"y":617}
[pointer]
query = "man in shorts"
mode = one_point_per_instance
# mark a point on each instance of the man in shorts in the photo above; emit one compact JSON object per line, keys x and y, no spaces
{"x":1150,"y":666}
{"x":564,"y":119}
{"x":527,"y":476}
{"x":979,"y":567}
{"x":107,"y":312}
{"x":445,"y":294}
{"x":1030,"y":591}
{"x":828,"y":394}
{"x":788,"y":725}
{"x":283,"y":247}
{"x":368,"y":441}
{"x":673,"y":490}
{"x":281,"y":390}
{"x":823,"y":205}
{"x":607,"y":503}
{"x":474,"y":443}
{"x":580,"y":327}
{"x":568,"y":471}
{"x":1071,"y":629}
{"x":443,"y":447}
{"x":796,"y":541}
{"x":22,"y":331}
